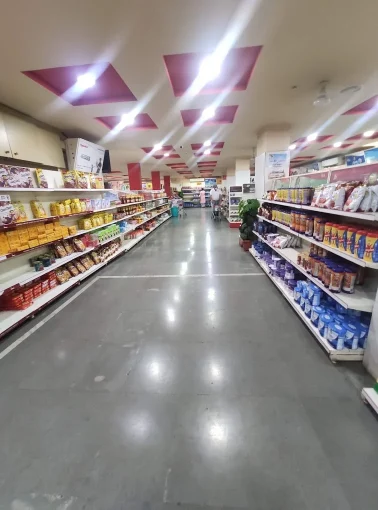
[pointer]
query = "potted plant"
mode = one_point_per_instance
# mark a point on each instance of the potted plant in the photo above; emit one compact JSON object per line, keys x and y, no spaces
{"x":247,"y":212}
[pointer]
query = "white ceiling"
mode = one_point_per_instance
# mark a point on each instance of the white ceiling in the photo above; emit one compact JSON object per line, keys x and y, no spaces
{"x":303,"y":41}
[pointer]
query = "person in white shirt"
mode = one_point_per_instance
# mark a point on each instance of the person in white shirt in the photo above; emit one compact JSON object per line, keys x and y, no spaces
{"x":214,"y":196}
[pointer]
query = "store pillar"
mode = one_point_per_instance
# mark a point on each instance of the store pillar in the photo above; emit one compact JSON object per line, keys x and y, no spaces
{"x":272,"y":158}
{"x":155,"y":178}
{"x":167,"y":185}
{"x":242,"y":171}
{"x":230,"y":179}
{"x":135,"y":176}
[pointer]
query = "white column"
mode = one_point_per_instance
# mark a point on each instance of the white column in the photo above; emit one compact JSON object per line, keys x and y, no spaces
{"x":242,"y":171}
{"x":273,"y":141}
{"x":230,"y":180}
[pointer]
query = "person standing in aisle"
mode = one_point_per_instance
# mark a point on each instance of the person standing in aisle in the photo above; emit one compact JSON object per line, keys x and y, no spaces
{"x":214,"y":196}
{"x":202,"y":197}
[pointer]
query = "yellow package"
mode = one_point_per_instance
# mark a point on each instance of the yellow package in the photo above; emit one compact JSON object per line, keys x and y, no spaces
{"x":20,"y":212}
{"x":86,"y":223}
{"x":37,"y":209}
{"x":72,"y":230}
{"x":23,"y":247}
{"x":41,"y":228}
{"x":43,"y":240}
{"x":33,"y":232}
{"x":12,"y":235}
{"x":64,"y":231}
{"x":49,"y":226}
{"x":67,"y":208}
{"x":33,"y":243}
{"x":53,"y":209}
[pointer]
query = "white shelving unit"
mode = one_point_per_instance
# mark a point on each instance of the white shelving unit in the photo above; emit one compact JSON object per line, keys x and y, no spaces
{"x":350,"y":215}
{"x":370,"y":396}
{"x":10,"y":319}
{"x":362,"y":299}
{"x":235,"y":194}
{"x":340,"y":253}
{"x":334,"y":354}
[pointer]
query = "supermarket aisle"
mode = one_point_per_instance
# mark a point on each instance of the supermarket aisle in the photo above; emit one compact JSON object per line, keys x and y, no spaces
{"x":202,"y":392}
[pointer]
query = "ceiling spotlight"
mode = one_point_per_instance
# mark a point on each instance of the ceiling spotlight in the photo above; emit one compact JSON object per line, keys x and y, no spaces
{"x":337,"y":144}
{"x":207,"y":143}
{"x":312,"y":137}
{"x":210,"y":68}
{"x":128,"y":119}
{"x":368,"y":134}
{"x":166,"y":154}
{"x":207,"y":152}
{"x":208,"y":113}
{"x":158,"y":147}
{"x":292,"y":147}
{"x":86,"y":81}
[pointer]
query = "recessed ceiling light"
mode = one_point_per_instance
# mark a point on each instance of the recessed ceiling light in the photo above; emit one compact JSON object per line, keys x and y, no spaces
{"x":337,"y":144}
{"x":367,"y":134}
{"x":208,"y":113}
{"x":210,"y":68}
{"x":158,"y":147}
{"x":86,"y":81}
{"x":292,"y":147}
{"x":207,"y":143}
{"x":207,"y":152}
{"x":166,"y":154}
{"x":128,"y":119}
{"x":312,"y":137}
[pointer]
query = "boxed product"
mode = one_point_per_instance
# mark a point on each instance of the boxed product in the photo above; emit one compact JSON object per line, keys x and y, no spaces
{"x":19,"y":177}
{"x":7,"y":211}
{"x":4,"y":175}
{"x":41,"y":178}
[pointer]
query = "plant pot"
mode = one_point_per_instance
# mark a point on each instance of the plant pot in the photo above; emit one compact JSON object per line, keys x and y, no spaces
{"x":240,"y":242}
{"x":247,"y":244}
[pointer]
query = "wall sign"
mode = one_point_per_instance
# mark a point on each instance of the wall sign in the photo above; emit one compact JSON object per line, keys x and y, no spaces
{"x":277,"y":164}
{"x":356,"y":159}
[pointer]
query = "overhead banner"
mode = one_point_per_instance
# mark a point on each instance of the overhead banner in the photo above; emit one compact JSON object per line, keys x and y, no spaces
{"x":84,"y":156}
{"x":277,"y":164}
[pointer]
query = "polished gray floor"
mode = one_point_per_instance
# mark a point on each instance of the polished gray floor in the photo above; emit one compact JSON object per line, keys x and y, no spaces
{"x":189,"y":383}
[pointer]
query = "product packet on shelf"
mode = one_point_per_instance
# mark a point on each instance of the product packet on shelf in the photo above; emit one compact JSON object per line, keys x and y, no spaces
{"x":355,"y":198}
{"x":7,"y":211}
{"x":69,"y":178}
{"x":4,"y":176}
{"x":19,"y":177}
{"x":20,"y":212}
{"x":37,"y":209}
{"x":82,"y":180}
{"x":41,"y":178}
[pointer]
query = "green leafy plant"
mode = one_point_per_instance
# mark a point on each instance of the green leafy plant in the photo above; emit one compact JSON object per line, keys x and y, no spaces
{"x":247,"y":212}
{"x":248,"y":209}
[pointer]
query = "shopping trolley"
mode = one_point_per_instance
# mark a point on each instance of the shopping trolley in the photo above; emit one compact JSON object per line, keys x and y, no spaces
{"x":216,"y":215}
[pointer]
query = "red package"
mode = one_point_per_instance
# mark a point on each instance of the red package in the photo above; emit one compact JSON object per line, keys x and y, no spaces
{"x":45,"y":286}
